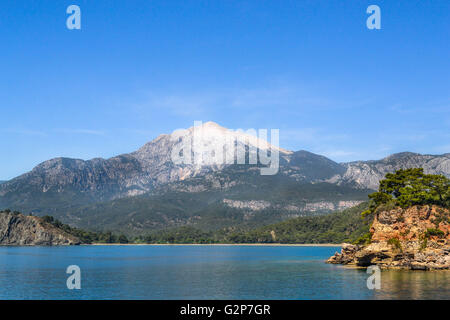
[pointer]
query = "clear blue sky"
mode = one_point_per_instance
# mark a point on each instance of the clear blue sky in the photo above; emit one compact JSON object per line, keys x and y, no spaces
{"x":140,"y":68}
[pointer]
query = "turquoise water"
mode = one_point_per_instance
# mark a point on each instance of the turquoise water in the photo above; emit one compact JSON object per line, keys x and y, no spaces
{"x":201,"y":272}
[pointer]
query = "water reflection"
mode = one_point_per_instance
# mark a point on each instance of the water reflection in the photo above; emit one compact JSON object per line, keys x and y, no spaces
{"x":202,"y":272}
{"x":401,"y":284}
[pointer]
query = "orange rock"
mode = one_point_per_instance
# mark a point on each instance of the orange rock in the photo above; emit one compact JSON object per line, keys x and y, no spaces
{"x":399,"y":240}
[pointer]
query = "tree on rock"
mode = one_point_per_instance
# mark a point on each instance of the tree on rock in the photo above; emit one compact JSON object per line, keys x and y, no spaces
{"x":409,"y":187}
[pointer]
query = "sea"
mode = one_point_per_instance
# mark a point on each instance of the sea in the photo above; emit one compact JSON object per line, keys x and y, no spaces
{"x":201,"y":272}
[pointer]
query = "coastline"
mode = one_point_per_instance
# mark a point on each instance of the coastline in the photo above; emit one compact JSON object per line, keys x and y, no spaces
{"x":222,"y":244}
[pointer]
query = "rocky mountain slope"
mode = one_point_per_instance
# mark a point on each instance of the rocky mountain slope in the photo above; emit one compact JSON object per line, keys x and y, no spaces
{"x":367,"y":174}
{"x":17,"y":229}
{"x":128,"y":174}
{"x":151,"y":166}
{"x":416,"y":238}
{"x":140,"y":171}
{"x":221,"y":200}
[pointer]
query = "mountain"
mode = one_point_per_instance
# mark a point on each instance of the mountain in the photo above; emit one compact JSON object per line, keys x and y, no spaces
{"x":125,"y":175}
{"x":311,"y":167}
{"x":367,"y":174}
{"x":148,"y":190}
{"x":63,"y":183}
{"x":224,"y":199}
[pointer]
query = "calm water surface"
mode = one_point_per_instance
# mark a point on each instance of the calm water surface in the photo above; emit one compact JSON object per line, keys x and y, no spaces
{"x":201,"y":272}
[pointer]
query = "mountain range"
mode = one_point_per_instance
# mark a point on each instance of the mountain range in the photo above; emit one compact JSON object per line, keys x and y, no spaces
{"x":145,"y":190}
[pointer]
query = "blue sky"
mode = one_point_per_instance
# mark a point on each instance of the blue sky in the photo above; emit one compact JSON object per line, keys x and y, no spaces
{"x":140,"y":68}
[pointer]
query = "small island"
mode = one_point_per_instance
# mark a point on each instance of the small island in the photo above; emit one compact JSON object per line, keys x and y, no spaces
{"x":411,"y":225}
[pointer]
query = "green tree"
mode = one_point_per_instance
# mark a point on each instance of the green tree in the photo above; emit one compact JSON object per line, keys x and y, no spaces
{"x":123,"y":239}
{"x":409,"y":187}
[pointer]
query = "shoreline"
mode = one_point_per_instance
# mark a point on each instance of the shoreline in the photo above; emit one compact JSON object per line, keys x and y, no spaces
{"x":222,"y":244}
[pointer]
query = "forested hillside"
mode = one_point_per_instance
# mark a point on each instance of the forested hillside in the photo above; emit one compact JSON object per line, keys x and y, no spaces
{"x":338,"y":227}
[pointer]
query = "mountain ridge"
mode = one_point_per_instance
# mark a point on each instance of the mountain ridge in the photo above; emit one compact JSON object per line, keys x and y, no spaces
{"x":367,"y":174}
{"x":76,"y":190}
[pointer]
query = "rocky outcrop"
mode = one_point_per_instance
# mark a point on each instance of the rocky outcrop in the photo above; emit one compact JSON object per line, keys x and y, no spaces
{"x":417,"y":238}
{"x":17,"y":229}
{"x":254,"y":205}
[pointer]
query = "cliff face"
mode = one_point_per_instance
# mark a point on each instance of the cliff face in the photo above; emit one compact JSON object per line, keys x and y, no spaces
{"x":417,"y":238}
{"x":20,"y":230}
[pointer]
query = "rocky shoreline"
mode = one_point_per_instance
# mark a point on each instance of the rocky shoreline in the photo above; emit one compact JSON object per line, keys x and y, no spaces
{"x":17,"y":229}
{"x":417,"y":238}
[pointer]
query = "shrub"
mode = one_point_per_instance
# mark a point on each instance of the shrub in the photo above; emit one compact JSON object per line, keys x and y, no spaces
{"x":395,"y":243}
{"x":48,"y":219}
{"x":424,"y":243}
{"x":434,"y":232}
{"x":364,"y":239}
{"x":123,"y":239}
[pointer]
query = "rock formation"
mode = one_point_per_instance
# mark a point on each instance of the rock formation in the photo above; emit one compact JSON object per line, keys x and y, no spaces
{"x":417,"y":238}
{"x":20,"y":230}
